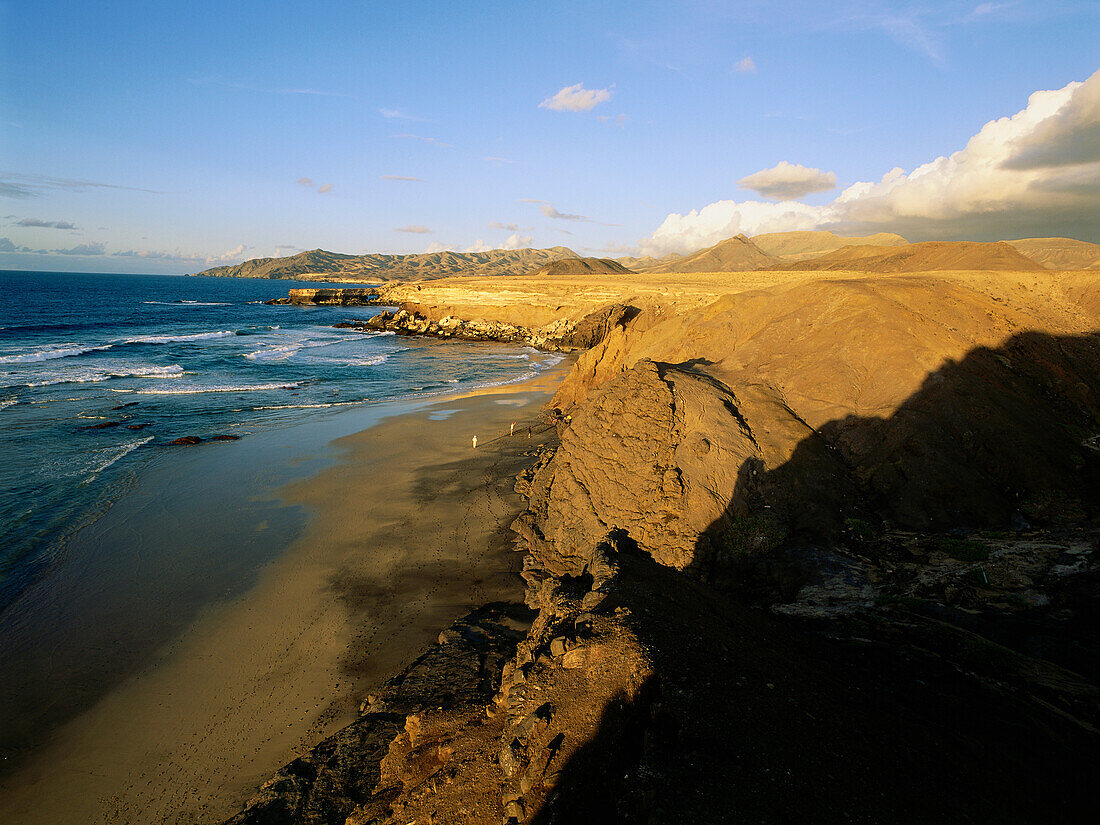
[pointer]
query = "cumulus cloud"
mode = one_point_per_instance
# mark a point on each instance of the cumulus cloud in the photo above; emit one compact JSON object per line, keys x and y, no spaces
{"x":1034,"y":174}
{"x":46,"y":224}
{"x":160,"y":255}
{"x":324,"y":188}
{"x":235,"y":255}
{"x":508,"y":227}
{"x":479,"y":246}
{"x":7,"y":246}
{"x":576,"y":98}
{"x":517,"y":241}
{"x":399,"y":177}
{"x":415,"y":229}
{"x":788,"y":181}
{"x":83,"y":249}
{"x":745,"y":66}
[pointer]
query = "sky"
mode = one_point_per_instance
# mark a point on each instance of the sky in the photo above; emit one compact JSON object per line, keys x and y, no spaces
{"x":172,"y":137}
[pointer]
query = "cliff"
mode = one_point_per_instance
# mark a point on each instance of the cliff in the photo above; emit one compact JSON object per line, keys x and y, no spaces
{"x":803,"y":552}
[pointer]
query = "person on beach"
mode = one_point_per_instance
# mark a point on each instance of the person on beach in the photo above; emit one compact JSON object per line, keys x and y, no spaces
{"x":474,"y":440}
{"x":512,"y":429}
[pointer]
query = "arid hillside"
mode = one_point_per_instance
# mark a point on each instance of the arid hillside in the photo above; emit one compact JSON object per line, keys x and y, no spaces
{"x":1059,"y":253}
{"x":797,"y":246}
{"x":920,"y":257}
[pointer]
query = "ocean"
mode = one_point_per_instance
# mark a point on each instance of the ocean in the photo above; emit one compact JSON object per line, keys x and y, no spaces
{"x":111,"y":539}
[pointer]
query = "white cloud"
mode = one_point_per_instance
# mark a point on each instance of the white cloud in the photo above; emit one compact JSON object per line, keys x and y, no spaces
{"x":231,"y":256}
{"x":508,"y":227}
{"x":399,"y":177}
{"x":479,"y":246}
{"x":618,"y":120}
{"x":787,"y":181}
{"x":745,"y":66}
{"x":1034,"y":174}
{"x":576,"y":98}
{"x":499,"y":161}
{"x":415,"y":229}
{"x":517,"y":241}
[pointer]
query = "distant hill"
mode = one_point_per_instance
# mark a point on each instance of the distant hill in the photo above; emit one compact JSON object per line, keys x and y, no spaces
{"x":736,"y":254}
{"x":1059,"y":253}
{"x":797,"y":246}
{"x":319,"y":265}
{"x":920,"y":257}
{"x":582,"y":266}
{"x":648,"y":261}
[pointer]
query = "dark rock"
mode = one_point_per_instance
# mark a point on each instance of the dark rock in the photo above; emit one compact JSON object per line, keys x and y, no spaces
{"x":225,"y":438}
{"x":186,"y":441}
{"x":137,"y":426}
{"x":102,"y":425}
{"x":124,"y":406}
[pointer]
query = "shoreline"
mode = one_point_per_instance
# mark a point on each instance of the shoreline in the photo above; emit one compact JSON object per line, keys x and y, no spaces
{"x":287,"y":663}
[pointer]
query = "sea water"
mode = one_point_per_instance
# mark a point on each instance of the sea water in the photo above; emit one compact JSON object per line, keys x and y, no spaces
{"x":112,"y":539}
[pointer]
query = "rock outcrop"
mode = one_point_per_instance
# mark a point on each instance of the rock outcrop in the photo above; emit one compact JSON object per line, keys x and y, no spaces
{"x":560,"y":336}
{"x":345,"y":297}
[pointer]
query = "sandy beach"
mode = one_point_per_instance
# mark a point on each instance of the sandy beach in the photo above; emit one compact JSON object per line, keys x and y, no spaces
{"x":407,"y":531}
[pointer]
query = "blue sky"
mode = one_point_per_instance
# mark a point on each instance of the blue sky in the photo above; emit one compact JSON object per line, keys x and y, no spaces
{"x":166,"y":138}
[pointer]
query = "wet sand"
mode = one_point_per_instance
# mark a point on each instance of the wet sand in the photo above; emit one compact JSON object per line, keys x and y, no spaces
{"x":409,"y":530}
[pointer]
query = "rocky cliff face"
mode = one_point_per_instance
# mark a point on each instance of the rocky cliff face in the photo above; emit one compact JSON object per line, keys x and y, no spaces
{"x":800,"y":555}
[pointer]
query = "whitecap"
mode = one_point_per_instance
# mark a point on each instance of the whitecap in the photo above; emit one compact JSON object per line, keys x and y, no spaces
{"x":193,"y":390}
{"x":8,"y":402}
{"x":174,"y":339}
{"x":171,"y":371}
{"x":114,"y":454}
{"x":49,"y":353}
{"x":190,"y":303}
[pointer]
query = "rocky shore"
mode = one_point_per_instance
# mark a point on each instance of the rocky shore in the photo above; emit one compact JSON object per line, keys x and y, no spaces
{"x":346,"y":297}
{"x":784,"y":563}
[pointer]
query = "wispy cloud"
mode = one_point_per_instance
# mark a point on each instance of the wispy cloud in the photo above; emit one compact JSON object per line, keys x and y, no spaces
{"x":398,"y":114}
{"x":532,"y":200}
{"x":745,"y":65}
{"x":548,"y":211}
{"x":324,"y":188}
{"x":267,"y":90}
{"x":423,"y":139}
{"x":14,"y":184}
{"x":499,"y":161}
{"x":619,"y":120}
{"x":306,"y":182}
{"x":507,"y":227}
{"x":46,"y":224}
{"x":400,"y":177}
{"x":415,"y":229}
{"x":576,"y":98}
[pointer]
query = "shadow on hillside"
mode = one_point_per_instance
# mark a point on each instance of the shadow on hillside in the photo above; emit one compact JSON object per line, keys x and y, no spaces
{"x":900,"y":717}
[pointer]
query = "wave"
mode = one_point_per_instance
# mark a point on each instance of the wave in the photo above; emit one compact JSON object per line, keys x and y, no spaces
{"x":49,"y":353}
{"x":307,"y":406}
{"x":284,"y":351}
{"x":178,"y":339}
{"x":171,"y":371}
{"x":8,"y":402}
{"x":114,"y":454}
{"x":194,"y":390}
